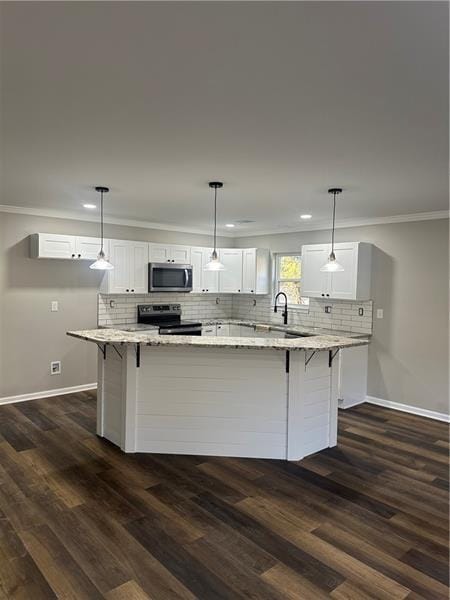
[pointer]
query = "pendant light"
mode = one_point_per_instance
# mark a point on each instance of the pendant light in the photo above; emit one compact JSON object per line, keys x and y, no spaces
{"x":332,"y":266}
{"x":215,"y":264}
{"x":101,"y":263}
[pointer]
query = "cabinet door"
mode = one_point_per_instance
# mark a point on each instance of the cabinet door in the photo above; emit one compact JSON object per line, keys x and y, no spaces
{"x":197,"y":269}
{"x":209,"y":330}
{"x":343,"y":283}
{"x":235,"y":330}
{"x":230,"y":280}
{"x":52,"y":245}
{"x":210,"y":279}
{"x":159,"y":253}
{"x":223,"y":329}
{"x":119,"y":277}
{"x":138,"y":252}
{"x":315,"y":283}
{"x":87,"y":248}
{"x":249,"y":271}
{"x":180,"y":254}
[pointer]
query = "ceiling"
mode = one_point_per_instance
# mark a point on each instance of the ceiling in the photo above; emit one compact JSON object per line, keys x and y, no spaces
{"x":280,"y":100}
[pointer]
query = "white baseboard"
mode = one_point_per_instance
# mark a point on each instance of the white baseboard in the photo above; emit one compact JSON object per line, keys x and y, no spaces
{"x":414,"y":410}
{"x":48,"y":393}
{"x":351,"y":404}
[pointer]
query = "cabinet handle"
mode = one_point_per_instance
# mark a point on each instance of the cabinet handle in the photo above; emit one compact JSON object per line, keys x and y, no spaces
{"x":239,"y":290}
{"x":127,"y":290}
{"x":252,"y":291}
{"x":79,"y":256}
{"x":328,"y":294}
{"x":323,"y":294}
{"x":73,"y":255}
{"x":132,"y":290}
{"x":168,"y":260}
{"x":203,"y":290}
{"x":207,"y":289}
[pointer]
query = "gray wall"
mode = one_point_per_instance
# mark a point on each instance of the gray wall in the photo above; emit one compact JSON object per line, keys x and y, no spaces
{"x":30,"y":335}
{"x":408,"y":357}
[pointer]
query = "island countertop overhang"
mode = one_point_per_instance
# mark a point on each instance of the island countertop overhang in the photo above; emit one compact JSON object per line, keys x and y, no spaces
{"x":118,"y":337}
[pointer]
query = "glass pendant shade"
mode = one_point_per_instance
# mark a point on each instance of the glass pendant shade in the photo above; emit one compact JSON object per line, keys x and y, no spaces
{"x":332,"y":265}
{"x":214,"y":264}
{"x":101,"y":264}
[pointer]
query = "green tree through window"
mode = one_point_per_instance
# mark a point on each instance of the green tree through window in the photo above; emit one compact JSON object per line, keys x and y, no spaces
{"x":288,"y":278}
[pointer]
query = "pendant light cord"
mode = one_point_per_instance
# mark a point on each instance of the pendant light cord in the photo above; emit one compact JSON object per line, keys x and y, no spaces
{"x":334,"y":218}
{"x":215,"y":217}
{"x":101,"y":220}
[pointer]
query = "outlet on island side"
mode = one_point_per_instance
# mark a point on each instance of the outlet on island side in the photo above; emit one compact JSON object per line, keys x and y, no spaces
{"x":55,"y":367}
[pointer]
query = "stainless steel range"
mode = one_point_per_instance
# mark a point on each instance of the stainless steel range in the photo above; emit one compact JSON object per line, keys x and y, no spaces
{"x":168,"y":318}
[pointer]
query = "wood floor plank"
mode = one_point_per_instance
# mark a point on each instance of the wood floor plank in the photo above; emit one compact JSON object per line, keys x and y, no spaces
{"x":79,"y":519}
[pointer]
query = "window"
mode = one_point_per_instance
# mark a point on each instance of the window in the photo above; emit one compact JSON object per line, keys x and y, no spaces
{"x":288,"y":275}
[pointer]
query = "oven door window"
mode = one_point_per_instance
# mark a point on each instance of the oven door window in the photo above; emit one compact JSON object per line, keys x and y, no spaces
{"x":170,"y":278}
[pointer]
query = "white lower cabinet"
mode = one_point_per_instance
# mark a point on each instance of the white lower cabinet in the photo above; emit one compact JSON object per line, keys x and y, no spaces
{"x":353,"y":366}
{"x":130,"y":273}
{"x":353,"y":283}
{"x":222,"y":329}
{"x":209,"y":330}
{"x":203,"y":281}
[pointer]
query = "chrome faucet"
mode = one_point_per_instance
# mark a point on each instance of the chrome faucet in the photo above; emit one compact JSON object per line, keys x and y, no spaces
{"x":284,"y":314}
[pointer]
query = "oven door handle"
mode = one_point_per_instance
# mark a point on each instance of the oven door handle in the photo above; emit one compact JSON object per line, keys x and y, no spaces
{"x":179,"y":330}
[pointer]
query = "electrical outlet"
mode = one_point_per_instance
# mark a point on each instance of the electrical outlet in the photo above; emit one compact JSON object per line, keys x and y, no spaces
{"x":361,"y":312}
{"x":328,"y":309}
{"x":55,"y":367}
{"x":54,"y":306}
{"x":379,"y":313}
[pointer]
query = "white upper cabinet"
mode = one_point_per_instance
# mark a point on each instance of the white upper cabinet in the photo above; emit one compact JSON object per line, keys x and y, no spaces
{"x":247,"y":271}
{"x":314,"y":283}
{"x":87,"y":248}
{"x":160,"y":253}
{"x":255,"y":271}
{"x":353,"y":283}
{"x":130,"y":273}
{"x":203,"y":281}
{"x":71,"y":247}
{"x":230,"y":280}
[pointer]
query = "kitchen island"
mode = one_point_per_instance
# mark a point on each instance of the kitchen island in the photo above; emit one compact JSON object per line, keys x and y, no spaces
{"x":223,"y":396}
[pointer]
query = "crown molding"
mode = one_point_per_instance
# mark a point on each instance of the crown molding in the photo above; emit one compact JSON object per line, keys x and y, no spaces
{"x":311,"y":226}
{"x":81,"y":216}
{"x":344,"y":223}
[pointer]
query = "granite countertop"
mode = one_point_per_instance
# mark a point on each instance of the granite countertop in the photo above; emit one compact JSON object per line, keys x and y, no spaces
{"x":151,"y":338}
{"x":295,"y":329}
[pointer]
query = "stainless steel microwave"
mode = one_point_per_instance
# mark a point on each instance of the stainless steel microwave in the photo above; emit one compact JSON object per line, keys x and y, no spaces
{"x":163,"y":277}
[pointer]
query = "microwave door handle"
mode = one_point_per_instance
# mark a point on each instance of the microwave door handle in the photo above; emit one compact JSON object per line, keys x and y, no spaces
{"x":186,"y":277}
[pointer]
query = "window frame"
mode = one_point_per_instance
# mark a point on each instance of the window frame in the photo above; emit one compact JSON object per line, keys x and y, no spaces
{"x":276,"y":280}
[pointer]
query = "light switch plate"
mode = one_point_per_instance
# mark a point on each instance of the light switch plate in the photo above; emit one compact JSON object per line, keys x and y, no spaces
{"x":379,"y":313}
{"x":54,"y":306}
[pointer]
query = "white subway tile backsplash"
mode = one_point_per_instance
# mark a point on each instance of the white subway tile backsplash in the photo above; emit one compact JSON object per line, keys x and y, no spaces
{"x":343,"y":316}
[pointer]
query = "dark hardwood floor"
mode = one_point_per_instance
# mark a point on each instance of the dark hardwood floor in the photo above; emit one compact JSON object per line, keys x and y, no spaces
{"x":79,"y":519}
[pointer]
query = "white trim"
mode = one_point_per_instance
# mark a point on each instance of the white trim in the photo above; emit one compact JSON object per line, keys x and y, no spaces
{"x":48,"y":393}
{"x":301,"y":226}
{"x":79,"y":216}
{"x":351,"y":405}
{"x":343,"y":223}
{"x":414,"y":410}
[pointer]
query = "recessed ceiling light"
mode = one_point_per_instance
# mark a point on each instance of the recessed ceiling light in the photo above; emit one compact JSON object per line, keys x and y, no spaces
{"x":305,"y":217}
{"x":230,"y":225}
{"x":90,"y":205}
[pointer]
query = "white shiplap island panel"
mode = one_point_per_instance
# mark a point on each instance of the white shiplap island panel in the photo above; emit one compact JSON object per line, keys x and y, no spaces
{"x":218,"y":402}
